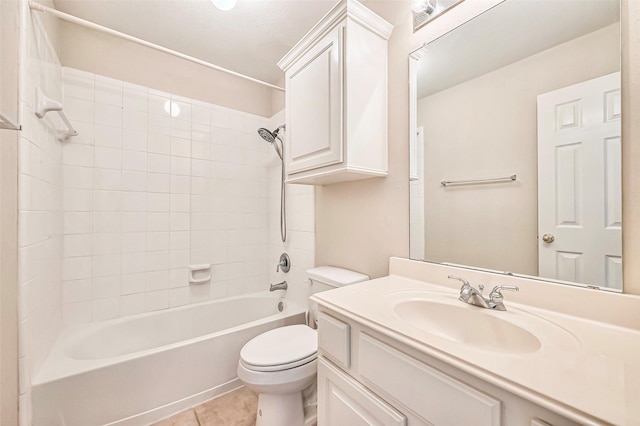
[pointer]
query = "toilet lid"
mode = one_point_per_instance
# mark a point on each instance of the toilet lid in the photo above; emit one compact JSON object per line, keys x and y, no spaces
{"x":280,"y":348}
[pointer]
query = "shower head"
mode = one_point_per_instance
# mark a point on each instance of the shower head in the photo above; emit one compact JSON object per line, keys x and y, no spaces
{"x":271,"y":138}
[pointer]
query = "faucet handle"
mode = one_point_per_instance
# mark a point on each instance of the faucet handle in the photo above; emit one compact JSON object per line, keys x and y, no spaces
{"x":496,"y":295}
{"x":464,"y":282}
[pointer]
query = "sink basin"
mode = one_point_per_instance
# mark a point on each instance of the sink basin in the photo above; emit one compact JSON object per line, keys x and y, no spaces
{"x":455,"y":321}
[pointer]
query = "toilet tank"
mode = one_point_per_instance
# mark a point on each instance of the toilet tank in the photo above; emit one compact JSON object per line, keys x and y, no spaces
{"x":327,"y":277}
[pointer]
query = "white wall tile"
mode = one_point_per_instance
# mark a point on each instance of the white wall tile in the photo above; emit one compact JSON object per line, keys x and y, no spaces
{"x":107,"y":158}
{"x":159,"y":143}
{"x":162,"y":193}
{"x":106,"y":201}
{"x":75,"y":268}
{"x":133,"y":263}
{"x":108,"y":115}
{"x":78,"y":155}
{"x":133,"y":222}
{"x":104,"y":287}
{"x":132,"y":304}
{"x":76,"y":291}
{"x":134,"y":181}
{"x":78,"y":222}
{"x":180,"y":147}
{"x":134,"y":161}
{"x":179,"y":296}
{"x":78,"y":177}
{"x":134,"y":98}
{"x":134,"y":140}
{"x":178,"y":277}
{"x":106,"y":222}
{"x":159,"y":124}
{"x":108,"y":91}
{"x":76,"y":313}
{"x":107,"y":136}
{"x":158,"y":163}
{"x":156,"y":300}
{"x":157,"y":280}
{"x":78,"y":245}
{"x":133,"y":242}
{"x":158,"y":182}
{"x":104,"y":309}
{"x":132,"y":283}
{"x":158,"y":241}
{"x":78,"y":200}
{"x":107,"y":179}
{"x":158,"y":260}
{"x":133,"y":202}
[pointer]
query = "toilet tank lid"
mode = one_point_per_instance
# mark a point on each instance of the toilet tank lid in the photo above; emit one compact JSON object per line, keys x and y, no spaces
{"x":336,"y":277}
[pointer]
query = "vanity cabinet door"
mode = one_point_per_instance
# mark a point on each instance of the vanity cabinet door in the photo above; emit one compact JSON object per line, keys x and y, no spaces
{"x":433,"y":395}
{"x":314,"y":105}
{"x":343,"y":401}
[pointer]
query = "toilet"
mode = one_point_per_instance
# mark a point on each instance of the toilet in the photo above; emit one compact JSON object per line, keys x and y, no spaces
{"x":280,"y":363}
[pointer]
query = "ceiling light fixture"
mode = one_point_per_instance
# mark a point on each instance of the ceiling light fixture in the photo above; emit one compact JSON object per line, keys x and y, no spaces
{"x":224,"y":5}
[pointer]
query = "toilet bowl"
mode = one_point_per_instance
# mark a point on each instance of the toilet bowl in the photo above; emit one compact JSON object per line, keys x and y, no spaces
{"x":279,"y":364}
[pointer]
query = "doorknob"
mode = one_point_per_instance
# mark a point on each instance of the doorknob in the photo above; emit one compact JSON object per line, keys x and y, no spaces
{"x":548,"y":238}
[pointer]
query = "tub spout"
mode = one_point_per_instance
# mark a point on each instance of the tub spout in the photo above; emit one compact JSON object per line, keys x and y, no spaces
{"x":280,"y":286}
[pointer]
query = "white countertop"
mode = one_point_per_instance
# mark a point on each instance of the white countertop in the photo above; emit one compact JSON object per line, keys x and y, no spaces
{"x":585,"y":370}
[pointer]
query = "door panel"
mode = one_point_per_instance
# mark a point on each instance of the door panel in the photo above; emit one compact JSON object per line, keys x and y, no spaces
{"x":579,"y":183}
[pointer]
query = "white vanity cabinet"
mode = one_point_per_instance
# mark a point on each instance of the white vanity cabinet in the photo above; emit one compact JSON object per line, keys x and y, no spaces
{"x":336,"y":98}
{"x":382,"y":381}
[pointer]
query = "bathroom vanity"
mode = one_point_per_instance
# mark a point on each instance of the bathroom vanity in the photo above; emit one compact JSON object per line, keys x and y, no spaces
{"x":403,"y":350}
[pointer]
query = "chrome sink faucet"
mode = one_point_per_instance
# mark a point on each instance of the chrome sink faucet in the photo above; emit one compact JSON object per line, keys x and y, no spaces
{"x":473,"y":296}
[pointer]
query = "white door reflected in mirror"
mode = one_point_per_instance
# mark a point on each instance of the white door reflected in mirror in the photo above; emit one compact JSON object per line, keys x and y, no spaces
{"x":579,"y":183}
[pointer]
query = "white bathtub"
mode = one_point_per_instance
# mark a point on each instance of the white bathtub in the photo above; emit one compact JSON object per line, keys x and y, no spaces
{"x":139,"y":369}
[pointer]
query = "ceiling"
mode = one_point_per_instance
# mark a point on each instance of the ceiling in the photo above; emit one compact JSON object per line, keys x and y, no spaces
{"x":249,"y":39}
{"x":506,"y":34}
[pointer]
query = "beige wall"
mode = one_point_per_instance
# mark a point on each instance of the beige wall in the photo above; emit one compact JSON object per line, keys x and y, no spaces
{"x":8,"y":278}
{"x":631,"y":144}
{"x":493,"y":133}
{"x":360,"y":224}
{"x":8,"y":217}
{"x":114,"y":57}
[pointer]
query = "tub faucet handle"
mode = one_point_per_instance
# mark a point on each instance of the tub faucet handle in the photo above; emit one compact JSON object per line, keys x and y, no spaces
{"x":284,"y":263}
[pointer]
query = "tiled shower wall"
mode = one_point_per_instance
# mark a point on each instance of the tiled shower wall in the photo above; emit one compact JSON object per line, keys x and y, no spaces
{"x":152,"y":184}
{"x":40,"y":207}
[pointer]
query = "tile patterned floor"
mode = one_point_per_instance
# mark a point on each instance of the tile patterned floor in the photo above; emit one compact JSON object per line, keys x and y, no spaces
{"x":237,"y":408}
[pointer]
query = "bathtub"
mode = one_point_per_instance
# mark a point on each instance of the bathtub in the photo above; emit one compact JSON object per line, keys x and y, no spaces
{"x":140,"y":369}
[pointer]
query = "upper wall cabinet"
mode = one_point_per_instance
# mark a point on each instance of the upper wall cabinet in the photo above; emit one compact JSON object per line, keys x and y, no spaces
{"x":336,"y":98}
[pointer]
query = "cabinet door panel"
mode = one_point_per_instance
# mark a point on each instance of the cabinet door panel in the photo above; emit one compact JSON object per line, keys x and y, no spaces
{"x":314,"y":107}
{"x":343,"y":401}
{"x":431,"y":394}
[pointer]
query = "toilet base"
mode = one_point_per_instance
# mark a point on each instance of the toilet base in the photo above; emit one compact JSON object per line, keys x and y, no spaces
{"x":280,"y":410}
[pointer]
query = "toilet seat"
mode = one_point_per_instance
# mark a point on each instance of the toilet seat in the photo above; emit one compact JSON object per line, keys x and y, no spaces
{"x":280,"y":349}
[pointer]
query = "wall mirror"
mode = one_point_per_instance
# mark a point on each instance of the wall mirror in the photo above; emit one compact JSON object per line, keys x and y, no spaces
{"x":515,"y":147}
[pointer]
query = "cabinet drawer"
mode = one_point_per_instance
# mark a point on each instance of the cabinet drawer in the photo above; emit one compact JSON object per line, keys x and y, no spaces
{"x":436,"y":397}
{"x":343,"y":401}
{"x":333,"y":338}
